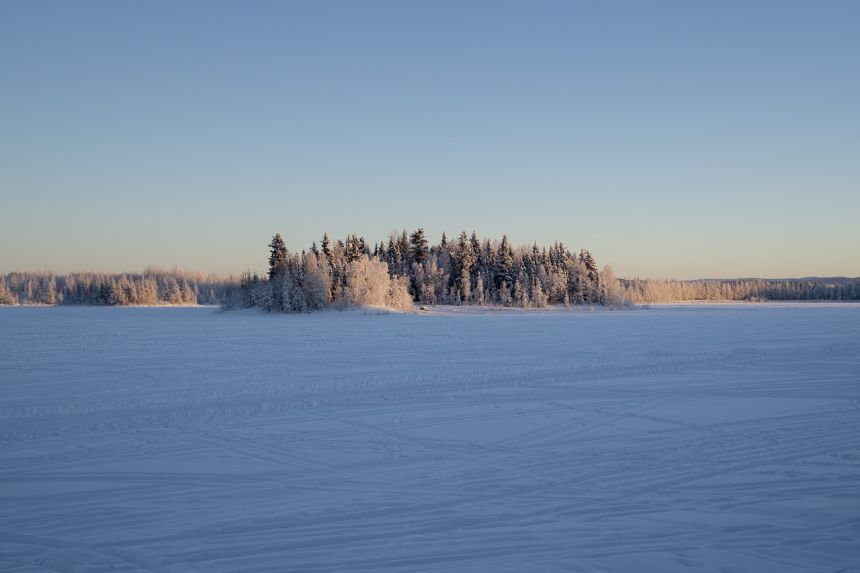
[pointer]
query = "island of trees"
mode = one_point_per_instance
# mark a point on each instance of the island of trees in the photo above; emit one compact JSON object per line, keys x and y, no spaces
{"x":407,"y":269}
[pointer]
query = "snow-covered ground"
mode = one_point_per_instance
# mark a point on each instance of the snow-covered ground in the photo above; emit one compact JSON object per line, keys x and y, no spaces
{"x":685,"y":438}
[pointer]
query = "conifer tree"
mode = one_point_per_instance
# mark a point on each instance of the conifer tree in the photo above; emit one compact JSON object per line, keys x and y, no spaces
{"x":174,"y":295}
{"x":519,"y":292}
{"x":476,"y":244}
{"x":394,"y":257}
{"x":353,"y":248}
{"x":504,"y":264}
{"x":277,"y":269}
{"x":188,"y":294}
{"x":6,"y":295}
{"x":478,"y":293}
{"x":538,"y":295}
{"x":419,"y":246}
{"x":464,"y":262}
{"x":277,"y":256}
{"x":49,"y":295}
{"x":326,"y":247}
{"x":404,"y":248}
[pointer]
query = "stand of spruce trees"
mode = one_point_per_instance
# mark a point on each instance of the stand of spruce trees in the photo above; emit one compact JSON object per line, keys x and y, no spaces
{"x":407,"y":269}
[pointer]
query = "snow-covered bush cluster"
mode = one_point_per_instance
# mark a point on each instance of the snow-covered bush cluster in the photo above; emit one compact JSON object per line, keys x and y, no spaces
{"x":408,"y":269}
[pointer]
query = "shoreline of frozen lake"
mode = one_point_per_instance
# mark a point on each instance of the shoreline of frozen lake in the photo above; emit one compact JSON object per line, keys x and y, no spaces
{"x":480,"y":310}
{"x":683,"y":437}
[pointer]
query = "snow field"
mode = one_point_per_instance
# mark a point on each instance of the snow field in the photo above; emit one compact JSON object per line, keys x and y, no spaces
{"x":678,"y":438}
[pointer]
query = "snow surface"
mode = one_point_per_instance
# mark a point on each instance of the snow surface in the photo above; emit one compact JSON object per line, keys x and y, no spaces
{"x":686,"y":438}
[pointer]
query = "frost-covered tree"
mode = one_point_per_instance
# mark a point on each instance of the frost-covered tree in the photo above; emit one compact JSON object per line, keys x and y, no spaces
{"x":478,"y":296}
{"x":277,"y":256}
{"x":189,"y":295}
{"x":538,"y":295}
{"x":369,"y":284}
{"x":519,"y":292}
{"x":419,"y":246}
{"x":504,"y":264}
{"x":277,"y":271}
{"x":464,"y":260}
{"x":6,"y":296}
{"x":353,"y":248}
{"x":316,"y":285}
{"x":326,"y":247}
{"x":505,"y":298}
{"x":174,"y":295}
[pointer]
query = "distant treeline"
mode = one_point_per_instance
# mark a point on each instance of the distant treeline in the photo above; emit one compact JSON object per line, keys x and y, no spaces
{"x":822,"y":289}
{"x":152,"y":287}
{"x":407,"y":269}
{"x":404,"y":270}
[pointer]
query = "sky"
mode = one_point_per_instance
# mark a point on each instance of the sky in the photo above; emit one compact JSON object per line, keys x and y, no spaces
{"x":672,"y":139}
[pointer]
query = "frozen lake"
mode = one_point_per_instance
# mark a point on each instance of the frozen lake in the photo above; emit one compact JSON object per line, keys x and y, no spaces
{"x":690,"y":438}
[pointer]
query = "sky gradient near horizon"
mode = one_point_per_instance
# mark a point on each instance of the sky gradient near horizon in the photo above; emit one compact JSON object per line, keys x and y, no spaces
{"x":672,"y":139}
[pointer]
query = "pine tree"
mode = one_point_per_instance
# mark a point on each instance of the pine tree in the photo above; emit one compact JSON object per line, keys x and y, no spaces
{"x":592,"y":288}
{"x":520,"y":294}
{"x":464,"y":261}
{"x":538,"y":295}
{"x":394,"y":258}
{"x":478,"y":293}
{"x":504,"y":264}
{"x":476,"y":244}
{"x":188,"y":294}
{"x":6,"y":296}
{"x":326,"y":247}
{"x":419,"y":246}
{"x":277,"y":256}
{"x":353,"y":248}
{"x":175,"y":293}
{"x":590,"y":264}
{"x":49,"y":295}
{"x":405,"y":254}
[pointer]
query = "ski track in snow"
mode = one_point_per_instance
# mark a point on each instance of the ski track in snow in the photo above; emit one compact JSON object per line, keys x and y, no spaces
{"x":689,"y":438}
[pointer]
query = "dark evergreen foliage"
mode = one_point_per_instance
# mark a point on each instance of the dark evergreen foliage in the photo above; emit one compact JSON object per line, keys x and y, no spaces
{"x":277,"y":256}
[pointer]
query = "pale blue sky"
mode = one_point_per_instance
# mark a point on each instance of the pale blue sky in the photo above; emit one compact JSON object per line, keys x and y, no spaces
{"x":673,"y":139}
